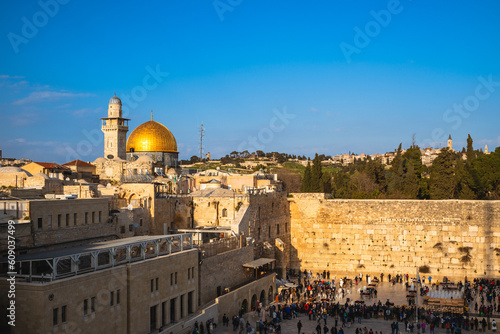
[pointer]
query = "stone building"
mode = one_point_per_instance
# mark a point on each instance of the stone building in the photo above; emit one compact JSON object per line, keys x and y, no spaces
{"x":149,"y":151}
{"x":132,"y":285}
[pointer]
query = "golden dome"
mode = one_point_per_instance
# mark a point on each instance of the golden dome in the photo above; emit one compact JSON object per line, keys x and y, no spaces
{"x":151,"y":137}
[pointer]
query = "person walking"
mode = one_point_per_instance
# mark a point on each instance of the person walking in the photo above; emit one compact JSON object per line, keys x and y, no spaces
{"x":299,"y":326}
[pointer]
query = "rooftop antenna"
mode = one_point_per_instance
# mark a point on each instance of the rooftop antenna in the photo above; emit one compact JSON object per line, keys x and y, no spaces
{"x":202,"y":134}
{"x":151,"y":114}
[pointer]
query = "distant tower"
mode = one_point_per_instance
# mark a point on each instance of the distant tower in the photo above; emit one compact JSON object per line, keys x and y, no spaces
{"x":450,"y":143}
{"x":115,"y":129}
{"x":485,"y":149}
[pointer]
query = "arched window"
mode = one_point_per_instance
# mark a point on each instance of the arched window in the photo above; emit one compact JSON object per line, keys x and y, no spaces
{"x":224,"y":212}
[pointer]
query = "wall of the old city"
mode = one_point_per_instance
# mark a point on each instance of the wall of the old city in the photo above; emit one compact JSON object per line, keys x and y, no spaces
{"x":453,"y":238}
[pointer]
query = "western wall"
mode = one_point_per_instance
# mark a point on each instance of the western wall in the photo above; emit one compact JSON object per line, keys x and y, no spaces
{"x":453,"y":238}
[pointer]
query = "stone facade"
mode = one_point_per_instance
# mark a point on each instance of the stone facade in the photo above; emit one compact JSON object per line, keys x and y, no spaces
{"x":224,"y":271}
{"x":133,"y":298}
{"x":262,"y":290}
{"x":452,"y":238}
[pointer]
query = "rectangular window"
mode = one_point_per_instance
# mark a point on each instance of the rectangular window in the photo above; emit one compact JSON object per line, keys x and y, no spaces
{"x":171,"y":279}
{"x":278,"y":229}
{"x":117,"y":296}
{"x":152,"y":285}
{"x":156,"y":283}
{"x":176,"y":278}
{"x":164,"y":313}
{"x":286,"y":228}
{"x":85,"y":307}
{"x":86,"y":218}
{"x":111,"y":298}
{"x":100,"y":216}
{"x":258,"y":233}
{"x":40,"y":222}
{"x":131,"y":227}
{"x":189,"y":273}
{"x":269,"y":233}
{"x":67,"y":219}
{"x":54,"y":316}
{"x":58,"y":220}
{"x":122,"y":229}
{"x":92,"y":304}
{"x":63,"y":314}
{"x":152,"y":318}
{"x":192,"y":272}
{"x":74,"y":218}
{"x":93,"y":217}
{"x":140,"y":222}
{"x":50,"y":221}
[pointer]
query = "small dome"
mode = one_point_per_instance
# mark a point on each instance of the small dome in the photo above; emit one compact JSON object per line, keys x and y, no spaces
{"x":13,"y":170}
{"x":115,"y":100}
{"x":144,"y":158}
{"x":42,"y":175}
{"x":99,"y":160}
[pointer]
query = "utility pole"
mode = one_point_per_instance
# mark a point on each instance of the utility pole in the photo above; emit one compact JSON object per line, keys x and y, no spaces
{"x":202,"y":134}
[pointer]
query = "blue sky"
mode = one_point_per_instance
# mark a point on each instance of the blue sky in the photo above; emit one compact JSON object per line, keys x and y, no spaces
{"x":290,"y":76}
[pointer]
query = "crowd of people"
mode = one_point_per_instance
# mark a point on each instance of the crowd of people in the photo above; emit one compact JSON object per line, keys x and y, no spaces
{"x":327,"y":302}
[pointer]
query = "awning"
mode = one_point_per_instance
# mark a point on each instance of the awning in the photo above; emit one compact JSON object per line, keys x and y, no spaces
{"x":258,"y":263}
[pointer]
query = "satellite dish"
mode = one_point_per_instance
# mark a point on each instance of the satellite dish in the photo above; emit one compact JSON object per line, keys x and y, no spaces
{"x":130,"y":207}
{"x":108,"y":185}
{"x":136,"y":225}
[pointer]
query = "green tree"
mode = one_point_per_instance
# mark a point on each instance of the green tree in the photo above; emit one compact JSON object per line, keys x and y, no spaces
{"x":306,"y":185}
{"x":326,"y":183}
{"x":470,"y":149}
{"x":442,"y":181}
{"x":316,"y":175}
{"x":464,"y":180}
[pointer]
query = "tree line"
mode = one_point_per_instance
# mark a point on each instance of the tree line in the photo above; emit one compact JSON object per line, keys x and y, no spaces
{"x":449,"y":176}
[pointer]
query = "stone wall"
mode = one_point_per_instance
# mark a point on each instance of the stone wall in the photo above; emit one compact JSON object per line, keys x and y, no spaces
{"x":270,"y":220}
{"x":232,"y":302}
{"x":177,"y":277}
{"x":171,"y":213}
{"x":58,"y":223}
{"x":224,"y":270}
{"x":35,"y":304}
{"x":452,"y":238}
{"x":217,"y":211}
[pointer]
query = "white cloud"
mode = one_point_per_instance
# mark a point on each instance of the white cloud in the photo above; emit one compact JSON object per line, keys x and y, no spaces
{"x":5,"y":76}
{"x":44,"y":96}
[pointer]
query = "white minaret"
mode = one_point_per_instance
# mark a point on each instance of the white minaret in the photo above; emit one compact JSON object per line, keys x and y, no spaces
{"x":115,"y":129}
{"x":485,"y":149}
{"x":450,"y":143}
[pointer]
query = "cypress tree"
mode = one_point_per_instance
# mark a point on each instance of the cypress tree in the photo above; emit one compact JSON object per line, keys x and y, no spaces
{"x":316,"y":175}
{"x":306,"y":181}
{"x":443,"y":181}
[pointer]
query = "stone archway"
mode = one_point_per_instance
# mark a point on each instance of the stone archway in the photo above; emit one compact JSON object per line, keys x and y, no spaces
{"x":254,"y":302}
{"x":270,"y":295}
{"x":262,"y":298}
{"x":244,"y":306}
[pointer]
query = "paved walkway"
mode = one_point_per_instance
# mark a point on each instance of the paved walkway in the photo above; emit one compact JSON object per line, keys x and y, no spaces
{"x":395,"y":293}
